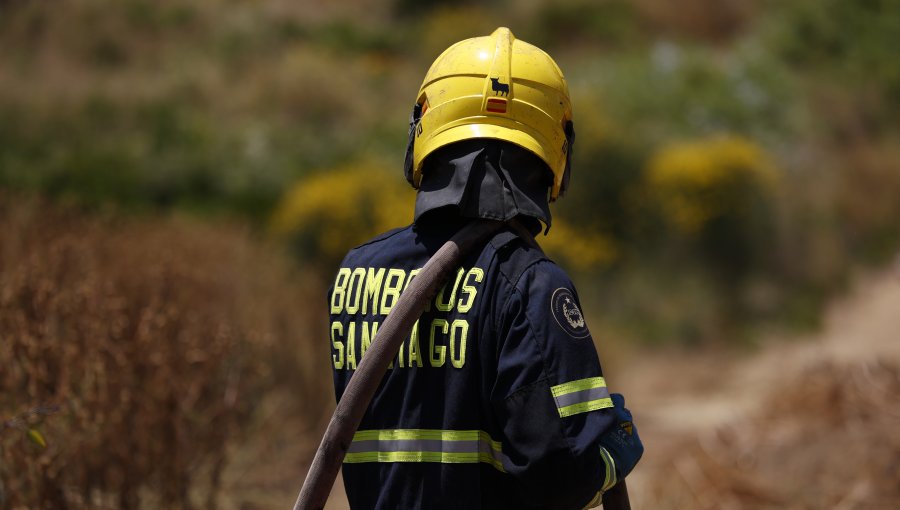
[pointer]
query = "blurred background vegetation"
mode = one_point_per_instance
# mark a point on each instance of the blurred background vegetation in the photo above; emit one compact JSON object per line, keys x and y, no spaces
{"x":751,"y":145}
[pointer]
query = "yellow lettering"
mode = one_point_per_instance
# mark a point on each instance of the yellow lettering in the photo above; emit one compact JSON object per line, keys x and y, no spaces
{"x":338,"y":357}
{"x":373,"y":288}
{"x":351,"y":347}
{"x":354,"y":290}
{"x":469,"y":290}
{"x":446,"y":307}
{"x":366,"y":338}
{"x":391,"y":290}
{"x":458,"y":357}
{"x":414,"y":347}
{"x":438,"y":352}
{"x":337,"y":294}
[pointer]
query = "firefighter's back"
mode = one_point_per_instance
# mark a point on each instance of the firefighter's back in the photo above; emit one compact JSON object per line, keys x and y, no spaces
{"x":429,"y":439}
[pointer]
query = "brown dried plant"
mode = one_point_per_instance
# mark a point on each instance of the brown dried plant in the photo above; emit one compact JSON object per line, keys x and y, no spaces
{"x":156,"y":339}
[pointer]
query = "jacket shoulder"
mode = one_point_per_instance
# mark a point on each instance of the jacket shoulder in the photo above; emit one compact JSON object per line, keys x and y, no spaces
{"x":516,"y":254}
{"x":383,"y":236}
{"x":371,"y":250}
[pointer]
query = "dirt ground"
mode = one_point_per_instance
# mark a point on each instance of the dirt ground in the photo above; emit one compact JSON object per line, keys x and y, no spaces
{"x":799,"y":423}
{"x":808,"y":422}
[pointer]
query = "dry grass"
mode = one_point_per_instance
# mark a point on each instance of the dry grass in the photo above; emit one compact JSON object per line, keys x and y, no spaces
{"x":805,"y":424}
{"x":158,"y":340}
{"x":827,"y":440}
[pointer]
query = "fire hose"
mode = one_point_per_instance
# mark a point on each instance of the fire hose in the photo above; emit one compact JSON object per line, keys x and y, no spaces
{"x":359,"y":392}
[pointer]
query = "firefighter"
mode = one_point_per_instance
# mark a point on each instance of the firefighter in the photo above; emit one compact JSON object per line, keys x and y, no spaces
{"x":496,"y":399}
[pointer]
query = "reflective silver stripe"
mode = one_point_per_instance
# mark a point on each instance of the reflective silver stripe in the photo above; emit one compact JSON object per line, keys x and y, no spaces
{"x":419,"y":445}
{"x":582,"y":396}
{"x":426,"y":445}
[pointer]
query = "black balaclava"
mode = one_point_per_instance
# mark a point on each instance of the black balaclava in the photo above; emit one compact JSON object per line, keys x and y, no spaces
{"x":485,"y":178}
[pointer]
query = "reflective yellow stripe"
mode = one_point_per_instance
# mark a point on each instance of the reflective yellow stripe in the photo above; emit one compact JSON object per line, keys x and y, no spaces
{"x":594,"y":502}
{"x":425,"y":445}
{"x":581,"y":396}
{"x":584,"y":407}
{"x":609,"y":479}
{"x":442,"y":457}
{"x":610,"y":464}
{"x":580,"y":384}
{"x":441,"y":435}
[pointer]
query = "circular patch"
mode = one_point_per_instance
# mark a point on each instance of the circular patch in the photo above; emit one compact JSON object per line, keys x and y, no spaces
{"x":567,"y":313}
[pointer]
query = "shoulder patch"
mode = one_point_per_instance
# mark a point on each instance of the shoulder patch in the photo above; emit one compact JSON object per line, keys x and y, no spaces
{"x":567,"y":314}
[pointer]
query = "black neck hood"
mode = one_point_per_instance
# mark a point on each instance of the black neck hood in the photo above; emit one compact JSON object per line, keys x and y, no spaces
{"x":485,"y":178}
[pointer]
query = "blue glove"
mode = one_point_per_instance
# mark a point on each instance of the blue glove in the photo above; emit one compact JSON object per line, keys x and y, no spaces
{"x":621,"y":441}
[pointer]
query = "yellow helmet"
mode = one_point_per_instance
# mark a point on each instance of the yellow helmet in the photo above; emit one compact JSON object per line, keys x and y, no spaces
{"x":494,"y":87}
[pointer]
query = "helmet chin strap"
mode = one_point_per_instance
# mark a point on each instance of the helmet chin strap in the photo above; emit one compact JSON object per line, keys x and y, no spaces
{"x":414,"y":117}
{"x":569,"y":130}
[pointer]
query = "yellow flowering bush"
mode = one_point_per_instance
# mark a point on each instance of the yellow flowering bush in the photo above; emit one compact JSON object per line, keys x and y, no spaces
{"x":696,"y":181}
{"x":581,"y":250}
{"x":336,"y":209}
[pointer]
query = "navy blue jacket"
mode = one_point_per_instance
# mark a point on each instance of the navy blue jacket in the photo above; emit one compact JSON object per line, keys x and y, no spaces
{"x":495,"y":400}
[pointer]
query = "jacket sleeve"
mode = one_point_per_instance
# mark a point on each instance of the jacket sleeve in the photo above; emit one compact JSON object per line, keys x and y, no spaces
{"x":550,"y":397}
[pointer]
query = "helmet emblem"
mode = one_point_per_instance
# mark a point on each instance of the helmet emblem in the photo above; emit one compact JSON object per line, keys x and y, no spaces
{"x":499,"y":88}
